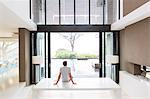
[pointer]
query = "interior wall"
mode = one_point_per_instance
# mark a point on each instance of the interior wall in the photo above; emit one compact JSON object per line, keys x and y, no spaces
{"x":134,"y":44}
{"x":24,"y":56}
{"x":130,"y":5}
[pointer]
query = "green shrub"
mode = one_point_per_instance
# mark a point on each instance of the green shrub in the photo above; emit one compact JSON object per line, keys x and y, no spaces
{"x":66,"y":54}
{"x":63,"y":53}
{"x":87,"y":56}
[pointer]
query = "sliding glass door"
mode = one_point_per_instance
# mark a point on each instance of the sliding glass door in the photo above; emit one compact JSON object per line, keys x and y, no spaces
{"x":88,"y":54}
{"x":79,"y":49}
{"x":39,"y":67}
{"x":111,"y":55}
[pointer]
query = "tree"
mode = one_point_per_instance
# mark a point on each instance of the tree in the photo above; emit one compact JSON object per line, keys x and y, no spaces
{"x":71,"y":37}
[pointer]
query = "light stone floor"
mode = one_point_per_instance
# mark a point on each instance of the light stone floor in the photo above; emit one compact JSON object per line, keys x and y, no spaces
{"x":87,"y":94}
{"x":19,"y":91}
{"x":8,"y":79}
{"x":89,"y":88}
{"x":26,"y":93}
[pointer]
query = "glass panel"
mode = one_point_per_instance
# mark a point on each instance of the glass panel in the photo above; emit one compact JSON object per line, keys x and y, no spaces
{"x":40,"y":70}
{"x":38,"y":11}
{"x":82,"y":58}
{"x":82,"y":11}
{"x":108,"y":53}
{"x":67,"y":11}
{"x":46,"y":66}
{"x":52,"y":7}
{"x":111,"y":11}
{"x":96,"y":12}
{"x":9,"y":61}
{"x":112,"y":58}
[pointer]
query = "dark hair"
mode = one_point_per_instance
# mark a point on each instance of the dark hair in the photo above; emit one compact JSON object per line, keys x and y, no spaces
{"x":144,"y":68}
{"x":65,"y":63}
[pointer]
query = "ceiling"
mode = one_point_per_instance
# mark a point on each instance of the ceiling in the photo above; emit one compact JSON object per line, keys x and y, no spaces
{"x":10,"y":21}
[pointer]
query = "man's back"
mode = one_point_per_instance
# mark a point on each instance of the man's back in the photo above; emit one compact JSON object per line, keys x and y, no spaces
{"x":65,"y":73}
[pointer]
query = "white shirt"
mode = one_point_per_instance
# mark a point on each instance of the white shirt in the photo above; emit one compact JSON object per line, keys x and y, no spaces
{"x":65,"y":73}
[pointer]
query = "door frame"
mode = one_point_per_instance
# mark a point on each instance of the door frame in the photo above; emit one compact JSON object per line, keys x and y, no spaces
{"x":100,"y":53}
{"x":74,"y":28}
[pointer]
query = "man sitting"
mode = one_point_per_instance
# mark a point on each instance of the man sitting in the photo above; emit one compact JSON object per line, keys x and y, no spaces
{"x":66,"y":74}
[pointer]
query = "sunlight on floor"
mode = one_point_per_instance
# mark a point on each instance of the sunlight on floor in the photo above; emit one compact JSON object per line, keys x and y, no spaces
{"x":9,"y":79}
{"x":87,"y":94}
{"x":21,"y":92}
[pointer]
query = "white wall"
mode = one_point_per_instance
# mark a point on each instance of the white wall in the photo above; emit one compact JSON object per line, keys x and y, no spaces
{"x":136,"y":87}
{"x":131,"y":18}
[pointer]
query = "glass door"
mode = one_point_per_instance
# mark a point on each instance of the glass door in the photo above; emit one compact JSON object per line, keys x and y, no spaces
{"x":88,"y":57}
{"x":79,"y":49}
{"x":39,"y":56}
{"x":111,"y":55}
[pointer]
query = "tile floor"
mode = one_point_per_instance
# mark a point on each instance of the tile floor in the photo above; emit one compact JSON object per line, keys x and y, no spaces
{"x":87,"y":94}
{"x":9,"y":79}
{"x":81,"y":84}
{"x":21,"y":92}
{"x":89,"y":88}
{"x":26,"y":93}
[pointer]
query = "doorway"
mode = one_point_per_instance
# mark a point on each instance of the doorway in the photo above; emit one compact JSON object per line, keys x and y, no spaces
{"x":84,"y":59}
{"x":79,"y":49}
{"x":52,"y":42}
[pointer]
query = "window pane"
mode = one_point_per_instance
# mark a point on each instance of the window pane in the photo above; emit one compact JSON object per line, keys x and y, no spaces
{"x":41,"y":52}
{"x":67,"y":11}
{"x":108,"y":53}
{"x":82,"y":11}
{"x":82,"y":58}
{"x":9,"y":61}
{"x":111,"y":11}
{"x":96,"y":12}
{"x":52,"y":12}
{"x":38,"y":11}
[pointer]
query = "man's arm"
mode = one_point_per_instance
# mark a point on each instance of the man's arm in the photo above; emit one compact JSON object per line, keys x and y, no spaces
{"x":70,"y":76}
{"x":58,"y":79}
